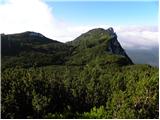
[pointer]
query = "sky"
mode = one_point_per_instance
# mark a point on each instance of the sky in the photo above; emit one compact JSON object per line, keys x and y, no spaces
{"x":114,"y":13}
{"x":134,"y":21}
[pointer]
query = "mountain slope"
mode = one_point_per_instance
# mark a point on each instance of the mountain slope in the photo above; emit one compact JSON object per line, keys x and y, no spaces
{"x":30,"y":48}
{"x":89,"y":77}
{"x":33,"y":49}
{"x":95,"y":43}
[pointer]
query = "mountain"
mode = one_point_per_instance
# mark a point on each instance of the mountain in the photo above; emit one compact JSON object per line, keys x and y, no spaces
{"x":28,"y":49}
{"x":98,"y":42}
{"x":89,"y":77}
{"x":31,"y":48}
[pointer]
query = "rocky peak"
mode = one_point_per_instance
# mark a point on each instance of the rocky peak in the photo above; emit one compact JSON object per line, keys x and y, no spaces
{"x":114,"y":46}
{"x":111,"y":32}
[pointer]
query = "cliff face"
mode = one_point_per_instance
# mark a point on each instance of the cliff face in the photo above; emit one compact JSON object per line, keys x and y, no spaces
{"x":114,"y":46}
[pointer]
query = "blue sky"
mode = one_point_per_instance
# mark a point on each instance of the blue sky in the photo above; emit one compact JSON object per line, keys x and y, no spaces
{"x":114,"y":13}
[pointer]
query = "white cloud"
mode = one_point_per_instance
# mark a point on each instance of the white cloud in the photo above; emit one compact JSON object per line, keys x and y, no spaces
{"x":139,"y":37}
{"x":27,"y":15}
{"x":141,"y":43}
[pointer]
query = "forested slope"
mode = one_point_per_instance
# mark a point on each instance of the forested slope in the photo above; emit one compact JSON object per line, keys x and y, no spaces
{"x":89,"y":77}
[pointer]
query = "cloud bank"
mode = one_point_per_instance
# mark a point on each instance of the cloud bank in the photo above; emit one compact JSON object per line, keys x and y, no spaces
{"x":140,"y":42}
{"x":26,"y":15}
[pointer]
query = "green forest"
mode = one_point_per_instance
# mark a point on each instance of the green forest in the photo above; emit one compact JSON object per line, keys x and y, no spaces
{"x":90,"y":77}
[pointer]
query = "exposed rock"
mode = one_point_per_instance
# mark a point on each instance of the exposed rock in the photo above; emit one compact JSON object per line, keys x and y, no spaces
{"x":114,"y":46}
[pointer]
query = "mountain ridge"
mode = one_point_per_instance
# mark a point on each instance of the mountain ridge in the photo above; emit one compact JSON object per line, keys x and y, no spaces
{"x":99,"y":37}
{"x":94,"y":43}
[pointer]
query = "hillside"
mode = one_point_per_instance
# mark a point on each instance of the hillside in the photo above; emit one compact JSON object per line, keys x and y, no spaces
{"x":32,"y":49}
{"x":97,"y":43}
{"x":89,"y":77}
